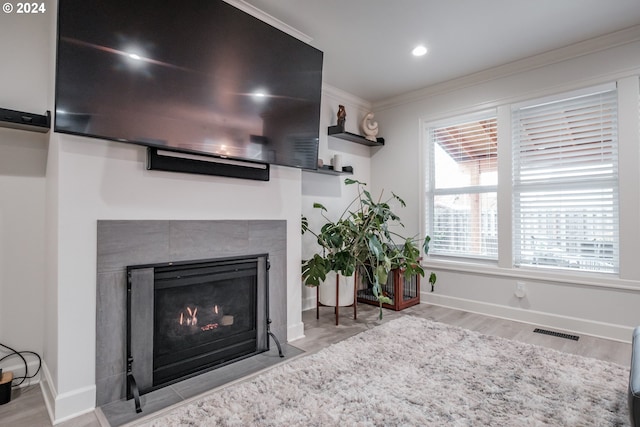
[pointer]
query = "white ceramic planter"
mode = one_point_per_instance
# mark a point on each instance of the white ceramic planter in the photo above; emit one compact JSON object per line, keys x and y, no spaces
{"x":327,"y":290}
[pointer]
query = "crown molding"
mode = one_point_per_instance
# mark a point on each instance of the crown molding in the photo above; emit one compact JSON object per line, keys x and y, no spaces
{"x":586,"y":47}
{"x":344,"y":96}
{"x":263,"y":16}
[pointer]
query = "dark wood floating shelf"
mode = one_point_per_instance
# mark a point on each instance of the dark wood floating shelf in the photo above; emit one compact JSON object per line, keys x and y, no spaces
{"x":25,"y":121}
{"x":328,"y":170}
{"x":338,"y":132}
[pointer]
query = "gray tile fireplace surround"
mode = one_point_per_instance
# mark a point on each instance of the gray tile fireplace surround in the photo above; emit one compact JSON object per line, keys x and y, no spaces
{"x":134,"y":242}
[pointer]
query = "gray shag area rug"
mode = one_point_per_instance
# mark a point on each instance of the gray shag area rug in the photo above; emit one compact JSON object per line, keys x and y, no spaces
{"x":415,"y":372}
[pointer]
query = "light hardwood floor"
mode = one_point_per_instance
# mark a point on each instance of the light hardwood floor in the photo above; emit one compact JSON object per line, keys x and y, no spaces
{"x":27,"y":408}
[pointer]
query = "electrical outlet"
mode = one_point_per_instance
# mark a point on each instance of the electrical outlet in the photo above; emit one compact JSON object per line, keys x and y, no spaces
{"x":520,"y":291}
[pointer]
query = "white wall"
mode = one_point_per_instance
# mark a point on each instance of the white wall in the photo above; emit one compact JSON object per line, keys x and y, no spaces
{"x":592,"y":304}
{"x":24,"y":43}
{"x":330,"y":190}
{"x":22,"y":188}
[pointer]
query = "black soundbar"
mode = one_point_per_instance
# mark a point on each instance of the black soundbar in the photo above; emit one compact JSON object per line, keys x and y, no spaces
{"x":202,"y":165}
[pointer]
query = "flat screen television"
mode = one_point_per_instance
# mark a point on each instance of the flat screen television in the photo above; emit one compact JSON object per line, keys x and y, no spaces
{"x":192,"y":76}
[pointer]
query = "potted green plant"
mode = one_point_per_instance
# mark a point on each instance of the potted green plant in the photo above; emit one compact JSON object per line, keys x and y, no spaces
{"x":362,"y":240}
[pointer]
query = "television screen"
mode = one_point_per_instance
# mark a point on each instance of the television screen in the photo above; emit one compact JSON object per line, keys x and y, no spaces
{"x":192,"y":76}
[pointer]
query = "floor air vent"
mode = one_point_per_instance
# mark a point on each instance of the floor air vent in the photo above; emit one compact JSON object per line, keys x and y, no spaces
{"x":557,"y":334}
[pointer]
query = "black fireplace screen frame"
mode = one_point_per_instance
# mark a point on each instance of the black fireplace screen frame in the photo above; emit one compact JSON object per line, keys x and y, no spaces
{"x":142,"y":281}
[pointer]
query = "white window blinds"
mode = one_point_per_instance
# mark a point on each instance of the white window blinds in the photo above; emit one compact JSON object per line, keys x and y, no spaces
{"x":463,"y":191}
{"x":565,"y":183}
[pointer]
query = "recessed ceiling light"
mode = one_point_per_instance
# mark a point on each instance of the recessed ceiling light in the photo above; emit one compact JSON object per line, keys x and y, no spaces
{"x":419,"y":50}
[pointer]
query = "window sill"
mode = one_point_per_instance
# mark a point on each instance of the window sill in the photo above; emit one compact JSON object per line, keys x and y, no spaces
{"x":599,"y":280}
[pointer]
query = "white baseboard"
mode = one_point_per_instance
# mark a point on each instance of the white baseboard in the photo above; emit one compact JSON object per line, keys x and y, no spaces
{"x":65,"y":406}
{"x":295,"y":332}
{"x":309,"y":303}
{"x":48,"y":391}
{"x":548,"y":320}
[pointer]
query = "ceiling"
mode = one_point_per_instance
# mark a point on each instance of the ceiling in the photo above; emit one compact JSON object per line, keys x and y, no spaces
{"x":367,"y":43}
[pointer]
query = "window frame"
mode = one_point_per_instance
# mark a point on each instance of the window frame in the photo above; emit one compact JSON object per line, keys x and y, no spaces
{"x":429,"y":190}
{"x":555,"y":185}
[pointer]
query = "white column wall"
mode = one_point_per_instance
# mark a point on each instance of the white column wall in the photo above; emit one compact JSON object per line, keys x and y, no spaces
{"x":105,"y":180}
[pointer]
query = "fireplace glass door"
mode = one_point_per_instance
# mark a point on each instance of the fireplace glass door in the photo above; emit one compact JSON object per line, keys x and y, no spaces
{"x":195,"y":316}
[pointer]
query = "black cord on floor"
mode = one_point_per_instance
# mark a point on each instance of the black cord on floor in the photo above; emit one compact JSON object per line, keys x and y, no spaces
{"x":21,"y":355}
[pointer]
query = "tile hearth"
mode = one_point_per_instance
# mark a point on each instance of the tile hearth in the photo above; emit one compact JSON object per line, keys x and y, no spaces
{"x":123,"y":411}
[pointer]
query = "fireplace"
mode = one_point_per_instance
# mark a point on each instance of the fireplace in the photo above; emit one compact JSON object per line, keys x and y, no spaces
{"x":185,"y":318}
{"x":150,"y":244}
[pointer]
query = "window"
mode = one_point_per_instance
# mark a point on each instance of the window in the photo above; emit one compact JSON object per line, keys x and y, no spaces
{"x":565,"y":182}
{"x":462,"y":188}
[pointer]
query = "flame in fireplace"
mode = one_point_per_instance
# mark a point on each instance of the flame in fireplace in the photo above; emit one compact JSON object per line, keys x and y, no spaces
{"x":190,"y":319}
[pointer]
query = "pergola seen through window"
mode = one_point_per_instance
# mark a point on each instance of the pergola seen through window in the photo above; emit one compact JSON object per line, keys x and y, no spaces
{"x":464,"y":182}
